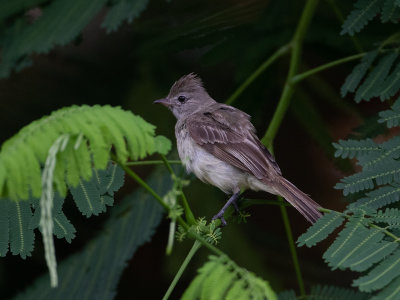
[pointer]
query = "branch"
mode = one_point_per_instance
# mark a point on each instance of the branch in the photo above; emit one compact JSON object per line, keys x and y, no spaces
{"x":179,"y":219}
{"x":188,"y":212}
{"x":296,"y":79}
{"x":288,"y":90}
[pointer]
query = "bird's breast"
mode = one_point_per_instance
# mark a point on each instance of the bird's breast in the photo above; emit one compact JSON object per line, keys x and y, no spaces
{"x":206,"y":166}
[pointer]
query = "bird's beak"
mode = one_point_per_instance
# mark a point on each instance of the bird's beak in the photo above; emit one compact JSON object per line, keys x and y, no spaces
{"x":163,"y":101}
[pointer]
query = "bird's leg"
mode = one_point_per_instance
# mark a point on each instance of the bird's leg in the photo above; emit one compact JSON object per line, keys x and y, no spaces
{"x":232,"y":200}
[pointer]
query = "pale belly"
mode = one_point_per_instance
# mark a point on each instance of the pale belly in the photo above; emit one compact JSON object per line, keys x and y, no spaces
{"x":214,"y":171}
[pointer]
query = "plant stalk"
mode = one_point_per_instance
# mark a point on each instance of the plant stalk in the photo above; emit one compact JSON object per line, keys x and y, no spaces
{"x":188,"y":212}
{"x":196,"y":246}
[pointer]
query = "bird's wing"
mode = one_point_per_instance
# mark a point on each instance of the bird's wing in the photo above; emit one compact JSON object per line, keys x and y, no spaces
{"x":228,"y":134}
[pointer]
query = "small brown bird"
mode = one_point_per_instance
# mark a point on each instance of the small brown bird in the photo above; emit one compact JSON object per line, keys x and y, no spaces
{"x":218,"y":143}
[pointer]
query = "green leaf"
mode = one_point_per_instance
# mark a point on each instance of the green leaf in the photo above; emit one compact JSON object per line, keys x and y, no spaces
{"x":379,"y":197}
{"x":287,"y":295}
{"x":123,"y":10}
{"x":391,"y":292}
{"x":21,"y":236}
{"x":99,"y":129}
{"x":63,"y":227}
{"x":391,"y":116}
{"x":370,"y":255}
{"x":321,"y":229}
{"x":391,"y":85}
{"x":363,"y":12}
{"x":237,"y":283}
{"x":354,"y":148}
{"x":321,"y":292}
{"x":382,"y":174}
{"x":91,"y":197}
{"x":4,"y":226}
{"x":391,"y":151}
{"x":353,"y":80}
{"x":390,"y":12}
{"x":61,"y":22}
{"x":162,"y":144}
{"x":350,"y":243}
{"x":391,"y":216}
{"x":376,"y":78}
{"x":95,"y":271}
{"x":380,"y":275}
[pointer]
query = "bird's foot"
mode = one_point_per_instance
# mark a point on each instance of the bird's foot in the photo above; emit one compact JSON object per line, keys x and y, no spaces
{"x":220,"y":216}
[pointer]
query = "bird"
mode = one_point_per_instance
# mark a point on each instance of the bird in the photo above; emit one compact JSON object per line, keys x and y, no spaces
{"x":218,"y":143}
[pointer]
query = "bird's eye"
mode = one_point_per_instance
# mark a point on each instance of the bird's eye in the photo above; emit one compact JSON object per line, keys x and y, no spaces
{"x":181,"y":99}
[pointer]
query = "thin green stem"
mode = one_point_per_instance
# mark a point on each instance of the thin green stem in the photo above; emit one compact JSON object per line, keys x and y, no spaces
{"x":292,"y":248}
{"x":151,"y":162}
{"x":296,"y":79}
{"x":288,"y":89}
{"x":278,"y":53}
{"x":283,"y":104}
{"x":179,"y":219}
{"x":167,"y":164}
{"x":196,"y":246}
{"x":188,"y":212}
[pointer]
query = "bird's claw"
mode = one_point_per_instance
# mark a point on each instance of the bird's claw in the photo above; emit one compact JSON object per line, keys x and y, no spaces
{"x":221,"y":217}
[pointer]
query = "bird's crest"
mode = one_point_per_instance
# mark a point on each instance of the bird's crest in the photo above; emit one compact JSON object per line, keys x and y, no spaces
{"x":187,"y":83}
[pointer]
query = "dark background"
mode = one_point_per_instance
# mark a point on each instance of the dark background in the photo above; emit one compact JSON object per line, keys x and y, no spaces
{"x":223,"y":42}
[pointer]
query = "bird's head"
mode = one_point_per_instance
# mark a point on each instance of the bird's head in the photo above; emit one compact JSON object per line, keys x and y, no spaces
{"x":187,"y":95}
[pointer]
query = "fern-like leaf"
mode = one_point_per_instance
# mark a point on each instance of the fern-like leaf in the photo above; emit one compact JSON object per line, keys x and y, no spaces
{"x":350,"y":243}
{"x":390,"y":151}
{"x":364,"y":11}
{"x":236,"y":283}
{"x":62,"y":226}
{"x":391,"y":116}
{"x":94,"y":272}
{"x":353,"y":148}
{"x":391,"y":85}
{"x":4,"y":226}
{"x":287,"y":295}
{"x":320,"y":292}
{"x":21,"y":236}
{"x":353,"y":80}
{"x":370,"y":255}
{"x":380,"y":275}
{"x":123,"y":10}
{"x":391,"y":292}
{"x":321,"y":229}
{"x":91,"y":197}
{"x":378,"y":198}
{"x":390,"y":12}
{"x":94,"y":131}
{"x":382,"y":174}
{"x":390,"y":216}
{"x":376,"y":79}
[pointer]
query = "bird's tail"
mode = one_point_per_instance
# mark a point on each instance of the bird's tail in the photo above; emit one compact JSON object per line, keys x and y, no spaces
{"x":302,"y":202}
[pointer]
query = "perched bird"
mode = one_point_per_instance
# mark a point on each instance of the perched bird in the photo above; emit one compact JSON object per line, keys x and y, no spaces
{"x":218,"y":143}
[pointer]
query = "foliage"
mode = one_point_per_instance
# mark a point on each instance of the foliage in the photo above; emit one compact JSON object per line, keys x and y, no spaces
{"x":94,"y":272}
{"x":221,"y":278}
{"x":57,"y":22}
{"x":93,"y":132}
{"x":72,"y":148}
{"x":369,"y":240}
{"x":322,"y":292}
{"x":365,"y":10}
